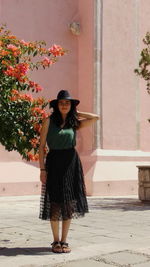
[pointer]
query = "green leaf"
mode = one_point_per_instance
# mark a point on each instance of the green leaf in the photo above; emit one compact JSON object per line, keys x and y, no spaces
{"x":35,"y":53}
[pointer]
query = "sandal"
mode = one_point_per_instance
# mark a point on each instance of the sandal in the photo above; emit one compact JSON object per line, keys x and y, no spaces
{"x":56,"y":247}
{"x":65,"y":247}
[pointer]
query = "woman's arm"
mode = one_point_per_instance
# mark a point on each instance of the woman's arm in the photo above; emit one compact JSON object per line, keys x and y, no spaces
{"x":87,"y":118}
{"x":43,"y":136}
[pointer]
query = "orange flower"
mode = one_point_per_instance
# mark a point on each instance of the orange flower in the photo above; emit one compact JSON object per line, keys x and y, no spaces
{"x":30,"y":156}
{"x":31,"y":84}
{"x":46,"y":62}
{"x":24,"y":43}
{"x":27,"y":97}
{"x":39,"y":101}
{"x":37,"y":127}
{"x":33,"y":157}
{"x":38,"y":88}
{"x":34,"y":142}
{"x":15,"y":50}
{"x":23,"y":80}
{"x":35,"y":86}
{"x":45,"y":115}
{"x":5,"y":62}
{"x":4,"y":53}
{"x":36,"y":157}
{"x":56,"y":50}
{"x":12,"y":37}
{"x":14,"y":92}
{"x":42,"y":50}
{"x":13,"y":98}
{"x":38,"y":111}
{"x":18,"y":71}
{"x":32,"y":45}
{"x":12,"y":47}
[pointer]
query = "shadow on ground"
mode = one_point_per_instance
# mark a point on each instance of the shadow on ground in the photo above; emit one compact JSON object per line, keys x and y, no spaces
{"x":124,"y":204}
{"x":5,"y":251}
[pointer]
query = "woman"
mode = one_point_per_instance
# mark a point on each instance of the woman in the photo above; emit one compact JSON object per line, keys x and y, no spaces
{"x":63,"y":194}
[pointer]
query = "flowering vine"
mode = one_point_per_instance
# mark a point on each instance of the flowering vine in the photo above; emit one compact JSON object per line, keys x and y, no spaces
{"x":143,"y":69}
{"x":20,"y":113}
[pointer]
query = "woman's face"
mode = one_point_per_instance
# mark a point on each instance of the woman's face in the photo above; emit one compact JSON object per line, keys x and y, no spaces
{"x":64,"y":106}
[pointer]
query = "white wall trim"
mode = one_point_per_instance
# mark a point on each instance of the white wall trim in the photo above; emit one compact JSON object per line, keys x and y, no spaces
{"x":97,"y":101}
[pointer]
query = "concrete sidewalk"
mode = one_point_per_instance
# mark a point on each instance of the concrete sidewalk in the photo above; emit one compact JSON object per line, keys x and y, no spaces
{"x":114,"y":233}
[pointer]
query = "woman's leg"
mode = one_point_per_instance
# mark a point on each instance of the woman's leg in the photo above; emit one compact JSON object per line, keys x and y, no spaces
{"x":55,"y":229}
{"x":54,"y":220}
{"x":65,"y":229}
{"x":56,"y":246}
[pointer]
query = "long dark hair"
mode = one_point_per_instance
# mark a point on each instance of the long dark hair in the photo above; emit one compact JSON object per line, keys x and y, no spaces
{"x":71,"y":119}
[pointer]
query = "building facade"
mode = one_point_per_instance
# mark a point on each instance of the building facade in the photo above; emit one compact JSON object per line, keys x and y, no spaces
{"x":99,"y":70}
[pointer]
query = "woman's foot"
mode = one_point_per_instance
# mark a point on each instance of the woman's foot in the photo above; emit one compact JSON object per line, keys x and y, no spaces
{"x":56,"y":247}
{"x":65,"y":247}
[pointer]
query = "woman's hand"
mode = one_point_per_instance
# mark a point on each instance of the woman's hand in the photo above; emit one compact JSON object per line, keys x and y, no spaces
{"x":43,"y":176}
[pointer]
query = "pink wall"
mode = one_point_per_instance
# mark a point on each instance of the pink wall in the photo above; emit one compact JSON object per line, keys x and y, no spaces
{"x":119,"y":92}
{"x":125,"y":100}
{"x":85,"y":68}
{"x":144,"y":26}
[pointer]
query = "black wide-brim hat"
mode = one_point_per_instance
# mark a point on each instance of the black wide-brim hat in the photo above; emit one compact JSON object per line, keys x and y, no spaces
{"x":63,"y":94}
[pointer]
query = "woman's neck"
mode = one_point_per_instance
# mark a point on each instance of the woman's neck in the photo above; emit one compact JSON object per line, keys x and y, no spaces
{"x":64,"y":117}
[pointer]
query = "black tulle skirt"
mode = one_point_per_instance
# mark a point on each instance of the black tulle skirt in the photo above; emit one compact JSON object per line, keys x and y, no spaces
{"x":63,"y":196}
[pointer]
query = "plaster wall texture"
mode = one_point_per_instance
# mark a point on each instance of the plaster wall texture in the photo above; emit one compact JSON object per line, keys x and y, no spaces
{"x":119,"y":90}
{"x":125,"y":100}
{"x":144,"y":98}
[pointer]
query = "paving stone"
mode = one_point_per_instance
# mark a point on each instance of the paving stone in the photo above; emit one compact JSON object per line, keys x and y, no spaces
{"x":124,"y":258}
{"x":85,"y":263}
{"x":145,"y":264}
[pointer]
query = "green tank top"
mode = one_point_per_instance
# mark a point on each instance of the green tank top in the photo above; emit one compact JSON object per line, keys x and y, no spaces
{"x":60,"y":138}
